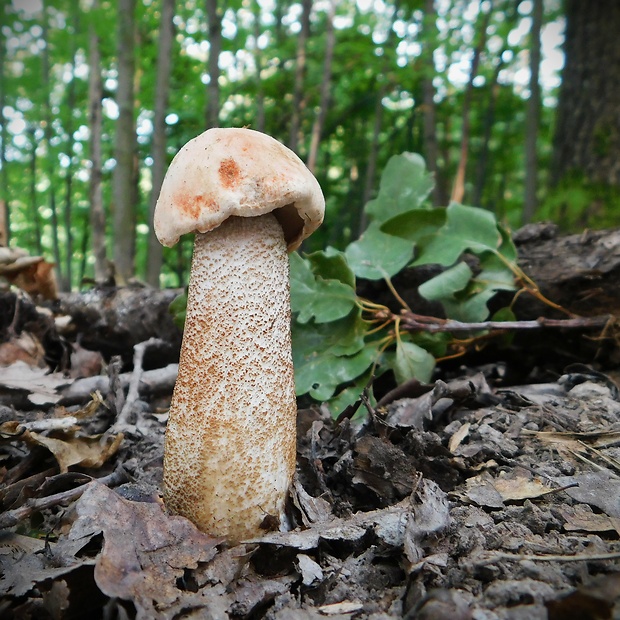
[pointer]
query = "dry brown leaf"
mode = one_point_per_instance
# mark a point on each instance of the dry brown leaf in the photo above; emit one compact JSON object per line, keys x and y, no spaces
{"x":520,"y":485}
{"x":41,"y":386}
{"x":25,"y":348}
{"x":26,"y":562}
{"x":68,"y":447}
{"x":581,"y":518}
{"x":145,"y":551}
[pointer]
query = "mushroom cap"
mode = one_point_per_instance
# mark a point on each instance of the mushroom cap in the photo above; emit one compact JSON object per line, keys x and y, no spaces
{"x":237,"y":172}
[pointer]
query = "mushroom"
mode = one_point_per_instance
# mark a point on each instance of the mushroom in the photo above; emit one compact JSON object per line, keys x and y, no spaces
{"x":230,"y":441}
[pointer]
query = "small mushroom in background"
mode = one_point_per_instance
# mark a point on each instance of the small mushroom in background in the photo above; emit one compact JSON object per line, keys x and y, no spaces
{"x":230,"y":441}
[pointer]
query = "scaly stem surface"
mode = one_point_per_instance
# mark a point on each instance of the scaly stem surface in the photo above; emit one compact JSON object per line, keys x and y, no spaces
{"x":230,"y":442}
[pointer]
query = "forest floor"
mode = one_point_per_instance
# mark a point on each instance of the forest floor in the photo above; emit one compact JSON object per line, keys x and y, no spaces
{"x":463,"y":500}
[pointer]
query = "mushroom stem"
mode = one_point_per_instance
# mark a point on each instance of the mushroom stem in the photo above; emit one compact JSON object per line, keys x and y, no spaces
{"x":230,"y":441}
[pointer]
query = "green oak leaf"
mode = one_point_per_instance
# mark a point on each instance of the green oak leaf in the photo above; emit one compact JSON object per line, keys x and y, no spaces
{"x":313,"y":297}
{"x":342,"y":337}
{"x":330,"y":264}
{"x":178,"y":310}
{"x":411,"y":361}
{"x":447,"y":283}
{"x":377,"y":255}
{"x":320,"y":374}
{"x":466,"y":228}
{"x":405,"y":184}
{"x":416,"y":224}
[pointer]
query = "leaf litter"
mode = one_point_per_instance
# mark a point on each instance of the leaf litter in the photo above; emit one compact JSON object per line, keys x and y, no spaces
{"x":464,"y":502}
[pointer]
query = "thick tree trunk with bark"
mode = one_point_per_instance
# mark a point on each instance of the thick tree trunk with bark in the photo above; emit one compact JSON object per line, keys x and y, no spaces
{"x":587,"y":137}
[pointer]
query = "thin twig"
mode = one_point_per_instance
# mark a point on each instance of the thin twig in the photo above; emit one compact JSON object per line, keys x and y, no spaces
{"x":416,"y":322}
{"x":495,"y":556}
{"x":133,"y":392}
{"x":13,"y":517}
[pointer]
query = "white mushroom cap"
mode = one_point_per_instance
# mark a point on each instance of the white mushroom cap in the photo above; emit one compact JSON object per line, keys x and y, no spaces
{"x":227,"y":172}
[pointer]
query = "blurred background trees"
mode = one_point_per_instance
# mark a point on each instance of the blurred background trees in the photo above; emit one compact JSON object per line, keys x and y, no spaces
{"x":96,"y":96}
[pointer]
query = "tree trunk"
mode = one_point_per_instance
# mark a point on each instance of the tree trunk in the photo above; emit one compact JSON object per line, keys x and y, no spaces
{"x":48,"y":132}
{"x":299,"y":100}
{"x":532,"y":118}
{"x":65,"y":285}
{"x":319,"y":122}
{"x":5,"y":230}
{"x":125,"y":146}
{"x":587,"y":137}
{"x":34,"y":211}
{"x":214,"y":17}
{"x":482,"y":167}
{"x":259,"y":123}
{"x":458,"y":190}
{"x":95,"y":114}
{"x":431,"y":150}
{"x":162,"y":88}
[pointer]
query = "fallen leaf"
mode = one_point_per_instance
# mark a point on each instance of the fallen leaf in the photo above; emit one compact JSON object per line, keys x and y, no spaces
{"x":24,"y":563}
{"x":70,"y":448}
{"x":520,"y":485}
{"x":40,"y":386}
{"x":599,"y":488}
{"x":310,"y":570}
{"x":145,"y":551}
{"x":581,"y":518}
{"x":344,"y":607}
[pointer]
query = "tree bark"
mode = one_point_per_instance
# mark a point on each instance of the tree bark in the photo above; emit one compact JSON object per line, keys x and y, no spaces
{"x":431,"y":150}
{"x":125,"y":146}
{"x":587,"y":136}
{"x":34,"y":211}
{"x":5,"y":230}
{"x":48,"y":133}
{"x":258,"y":61}
{"x":299,"y":100}
{"x":65,"y":283}
{"x":158,"y":152}
{"x":319,"y":122}
{"x":95,"y":113}
{"x":458,"y":189}
{"x":532,"y":118}
{"x":214,"y":17}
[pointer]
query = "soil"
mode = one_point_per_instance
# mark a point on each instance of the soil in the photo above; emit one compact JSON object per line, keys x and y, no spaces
{"x":471,"y":498}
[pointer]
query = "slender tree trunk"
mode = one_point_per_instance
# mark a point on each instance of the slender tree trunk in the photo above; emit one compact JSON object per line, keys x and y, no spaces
{"x":532,"y":118}
{"x":319,"y":122}
{"x":65,"y":284}
{"x":587,"y":135}
{"x":373,"y":156}
{"x":162,"y":91}
{"x":488,"y":122}
{"x":36,"y":223}
{"x":125,"y":146}
{"x":299,"y":99}
{"x":95,"y":114}
{"x":214,"y":17}
{"x":431,"y":149}
{"x":458,"y":190}
{"x":258,"y":61}
{"x":48,"y":132}
{"x":5,"y":211}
